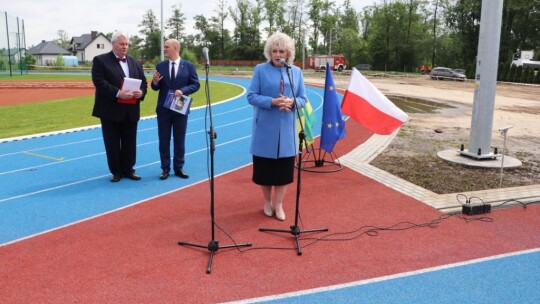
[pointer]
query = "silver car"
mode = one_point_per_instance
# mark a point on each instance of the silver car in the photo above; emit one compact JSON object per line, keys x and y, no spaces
{"x":446,"y":73}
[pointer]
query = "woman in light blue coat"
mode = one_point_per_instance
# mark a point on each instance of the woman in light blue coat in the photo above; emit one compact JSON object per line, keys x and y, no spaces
{"x":274,"y":140}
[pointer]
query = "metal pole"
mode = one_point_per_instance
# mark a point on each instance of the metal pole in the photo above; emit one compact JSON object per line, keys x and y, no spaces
{"x":24,"y":46}
{"x":8,"y":47}
{"x":161,"y":34}
{"x":486,"y":80}
{"x":503,"y":132}
{"x":19,"y":46}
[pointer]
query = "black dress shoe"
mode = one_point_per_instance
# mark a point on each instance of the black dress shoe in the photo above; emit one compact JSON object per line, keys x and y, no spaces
{"x":132,"y":176}
{"x":181,"y":173}
{"x":164,"y":175}
{"x":116,"y":178}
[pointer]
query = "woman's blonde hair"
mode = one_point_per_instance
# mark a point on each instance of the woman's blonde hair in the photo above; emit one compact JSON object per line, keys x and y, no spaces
{"x":281,"y":41}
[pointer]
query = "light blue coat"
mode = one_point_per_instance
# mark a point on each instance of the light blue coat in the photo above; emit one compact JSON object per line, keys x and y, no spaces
{"x":273,"y":131}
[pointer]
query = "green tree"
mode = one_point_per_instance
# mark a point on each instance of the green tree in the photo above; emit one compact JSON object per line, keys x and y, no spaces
{"x":63,"y":39}
{"x":59,"y":61}
{"x":463,"y":19}
{"x":211,"y":33}
{"x":30,"y":61}
{"x":188,"y":55}
{"x":520,"y":27}
{"x":394,"y":36}
{"x":135,"y":46}
{"x":275,"y":15}
{"x":329,"y":24}
{"x":225,"y":36}
{"x":152,"y":36}
{"x":314,"y":13}
{"x":349,"y":43}
{"x":202,"y":24}
{"x":246,"y":37}
{"x":295,"y":22}
{"x":349,"y":18}
{"x":176,"y":23}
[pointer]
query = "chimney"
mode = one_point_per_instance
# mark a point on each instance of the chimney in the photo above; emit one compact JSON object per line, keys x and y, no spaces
{"x":93,"y":34}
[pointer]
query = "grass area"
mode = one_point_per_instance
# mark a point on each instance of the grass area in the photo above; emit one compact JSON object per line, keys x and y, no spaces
{"x":55,"y":115}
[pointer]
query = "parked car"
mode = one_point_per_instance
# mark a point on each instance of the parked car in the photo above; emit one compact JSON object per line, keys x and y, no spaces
{"x":363,"y":66}
{"x":446,"y":73}
{"x":461,"y":71}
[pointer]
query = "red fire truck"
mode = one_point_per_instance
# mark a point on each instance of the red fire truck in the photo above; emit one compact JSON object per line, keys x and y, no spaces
{"x":336,"y":62}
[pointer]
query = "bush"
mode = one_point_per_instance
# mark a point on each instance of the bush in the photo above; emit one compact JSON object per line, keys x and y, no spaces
{"x":518,"y":73}
{"x":510,"y":76}
{"x":189,"y":56}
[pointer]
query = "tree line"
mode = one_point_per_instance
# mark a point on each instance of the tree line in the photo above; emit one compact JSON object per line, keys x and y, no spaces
{"x":390,"y":35}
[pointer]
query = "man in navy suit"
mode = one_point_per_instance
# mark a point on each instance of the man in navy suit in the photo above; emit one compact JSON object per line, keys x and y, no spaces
{"x":179,"y":76}
{"x":118,"y":110}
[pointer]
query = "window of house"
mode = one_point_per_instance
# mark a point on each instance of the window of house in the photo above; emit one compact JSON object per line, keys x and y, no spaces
{"x":98,"y":45}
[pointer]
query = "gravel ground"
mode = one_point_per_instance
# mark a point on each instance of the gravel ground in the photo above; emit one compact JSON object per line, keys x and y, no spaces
{"x":413,"y":153}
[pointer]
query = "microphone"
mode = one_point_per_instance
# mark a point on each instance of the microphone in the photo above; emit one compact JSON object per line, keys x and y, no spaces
{"x":284,"y":63}
{"x":205,"y":53}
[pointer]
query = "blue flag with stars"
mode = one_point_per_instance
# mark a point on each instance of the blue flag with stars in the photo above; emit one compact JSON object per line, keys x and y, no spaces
{"x":333,"y":122}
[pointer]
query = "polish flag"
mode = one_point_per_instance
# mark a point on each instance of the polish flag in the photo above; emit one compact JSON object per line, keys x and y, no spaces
{"x":364,"y":103}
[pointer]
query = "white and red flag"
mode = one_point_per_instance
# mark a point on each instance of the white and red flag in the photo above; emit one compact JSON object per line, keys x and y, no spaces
{"x":364,"y":103}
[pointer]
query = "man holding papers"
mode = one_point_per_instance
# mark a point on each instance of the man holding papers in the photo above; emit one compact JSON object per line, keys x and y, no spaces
{"x":120,"y":86}
{"x":175,"y":78}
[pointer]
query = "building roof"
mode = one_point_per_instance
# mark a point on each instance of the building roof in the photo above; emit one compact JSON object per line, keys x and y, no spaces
{"x":48,"y":48}
{"x":81,"y":42}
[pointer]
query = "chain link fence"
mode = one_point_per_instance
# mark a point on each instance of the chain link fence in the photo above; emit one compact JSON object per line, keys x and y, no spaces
{"x":12,"y":45}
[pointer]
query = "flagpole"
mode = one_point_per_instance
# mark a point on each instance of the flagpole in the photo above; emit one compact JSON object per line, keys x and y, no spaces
{"x":332,"y":130}
{"x":295,"y":230}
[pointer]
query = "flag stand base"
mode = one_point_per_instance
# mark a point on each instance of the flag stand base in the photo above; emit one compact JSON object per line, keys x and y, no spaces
{"x":319,"y":161}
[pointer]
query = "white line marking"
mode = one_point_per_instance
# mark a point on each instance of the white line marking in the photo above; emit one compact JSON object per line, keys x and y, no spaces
{"x":115,"y":210}
{"x":102,"y":176}
{"x":385,"y":278}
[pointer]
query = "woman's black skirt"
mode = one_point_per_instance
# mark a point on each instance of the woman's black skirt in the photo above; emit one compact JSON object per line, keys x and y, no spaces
{"x":273,"y":172}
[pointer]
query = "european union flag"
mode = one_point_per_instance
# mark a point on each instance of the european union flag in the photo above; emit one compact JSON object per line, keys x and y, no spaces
{"x":333,"y":122}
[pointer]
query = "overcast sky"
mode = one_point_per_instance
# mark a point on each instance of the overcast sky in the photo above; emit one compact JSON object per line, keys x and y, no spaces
{"x":43,"y":18}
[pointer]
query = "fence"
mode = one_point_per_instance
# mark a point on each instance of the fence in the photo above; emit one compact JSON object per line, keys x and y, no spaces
{"x":12,"y":45}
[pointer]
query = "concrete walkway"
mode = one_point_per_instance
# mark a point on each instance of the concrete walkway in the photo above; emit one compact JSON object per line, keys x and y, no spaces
{"x":359,"y":158}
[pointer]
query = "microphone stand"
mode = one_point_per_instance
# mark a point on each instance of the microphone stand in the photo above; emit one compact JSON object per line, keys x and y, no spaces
{"x":213,"y":245}
{"x":295,"y":230}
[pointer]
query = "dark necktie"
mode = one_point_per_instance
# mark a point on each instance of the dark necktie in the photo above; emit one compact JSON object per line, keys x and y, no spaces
{"x":172,"y":71}
{"x":121,"y":59}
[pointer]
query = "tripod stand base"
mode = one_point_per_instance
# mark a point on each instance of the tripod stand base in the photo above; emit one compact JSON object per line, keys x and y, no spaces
{"x":212,"y":246}
{"x":296,"y":232}
{"x":319,"y":161}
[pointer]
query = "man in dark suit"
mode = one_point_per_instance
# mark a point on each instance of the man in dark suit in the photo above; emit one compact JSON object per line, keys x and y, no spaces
{"x":179,"y":76}
{"x":118,"y":110}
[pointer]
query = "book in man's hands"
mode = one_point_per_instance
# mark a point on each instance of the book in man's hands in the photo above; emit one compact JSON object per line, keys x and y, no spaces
{"x":178,"y":104}
{"x":130,"y":84}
